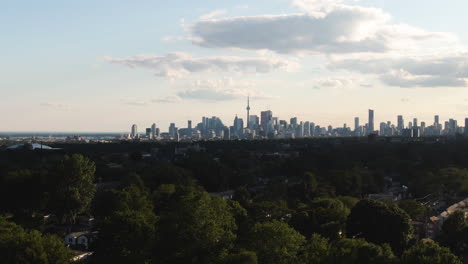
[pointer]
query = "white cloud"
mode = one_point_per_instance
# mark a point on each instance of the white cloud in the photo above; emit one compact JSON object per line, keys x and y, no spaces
{"x":334,"y":83}
{"x":134,"y":101}
{"x":213,"y":14}
{"x":317,"y":8}
{"x":177,"y":65}
{"x":324,"y":27}
{"x":443,"y":70}
{"x":220,"y":90}
{"x":167,"y":99}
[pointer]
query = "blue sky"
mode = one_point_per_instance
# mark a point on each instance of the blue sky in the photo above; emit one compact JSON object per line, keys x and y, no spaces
{"x":104,"y":65}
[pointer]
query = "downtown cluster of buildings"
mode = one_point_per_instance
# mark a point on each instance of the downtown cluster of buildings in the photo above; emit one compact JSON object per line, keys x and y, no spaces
{"x":268,"y":126}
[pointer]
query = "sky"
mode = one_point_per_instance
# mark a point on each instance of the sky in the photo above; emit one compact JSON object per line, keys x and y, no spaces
{"x":101,"y":66}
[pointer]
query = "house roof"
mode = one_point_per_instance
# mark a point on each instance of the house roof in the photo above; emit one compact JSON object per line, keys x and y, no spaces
{"x":79,"y":234}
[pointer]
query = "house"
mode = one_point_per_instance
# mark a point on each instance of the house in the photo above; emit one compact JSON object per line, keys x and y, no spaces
{"x":81,"y":240}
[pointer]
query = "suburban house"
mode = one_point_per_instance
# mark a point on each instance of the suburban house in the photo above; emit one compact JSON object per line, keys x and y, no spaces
{"x":80,"y":240}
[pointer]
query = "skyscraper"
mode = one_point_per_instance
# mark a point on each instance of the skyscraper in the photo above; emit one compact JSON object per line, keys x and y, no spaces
{"x":436,"y":120}
{"x":248,"y":112}
{"x":356,"y":124}
{"x":293,"y":122}
{"x":415,"y":122}
{"x":153,"y":131}
{"x":466,"y":126}
{"x":265,"y":117}
{"x":134,"y":131}
{"x":172,"y":130}
{"x":189,"y":124}
{"x":400,"y":123}
{"x":254,"y":122}
{"x":371,"y":122}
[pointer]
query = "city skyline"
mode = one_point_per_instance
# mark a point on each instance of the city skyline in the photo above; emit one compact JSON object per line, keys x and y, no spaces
{"x":97,"y":66}
{"x":267,"y":125}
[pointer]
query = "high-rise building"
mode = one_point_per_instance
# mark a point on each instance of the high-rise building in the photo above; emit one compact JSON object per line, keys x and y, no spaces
{"x":254,"y":122}
{"x":415,"y":122}
{"x":306,"y":129}
{"x":153,"y":131}
{"x":466,"y":126}
{"x":134,"y":133}
{"x":356,"y":124}
{"x":436,"y":120}
{"x":248,"y":112}
{"x":371,"y":121}
{"x":400,"y":124}
{"x":383,"y":127}
{"x":189,"y":124}
{"x":265,"y":117}
{"x":293,"y":122}
{"x":300,"y":130}
{"x":172,"y":130}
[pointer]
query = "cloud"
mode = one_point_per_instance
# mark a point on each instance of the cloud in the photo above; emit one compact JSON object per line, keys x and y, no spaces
{"x":334,"y":83}
{"x":213,"y":14}
{"x":167,"y":99}
{"x":221,"y":90}
{"x":316,"y":8}
{"x":177,"y":65}
{"x":323,"y":27}
{"x":134,"y":101}
{"x":443,"y":70}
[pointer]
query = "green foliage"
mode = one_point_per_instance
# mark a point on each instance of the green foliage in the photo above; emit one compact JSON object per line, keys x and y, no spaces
{"x":325,"y":216}
{"x":128,"y":234}
{"x":428,"y":253}
{"x":242,"y":257}
{"x":74,"y":187}
{"x":276,"y":243}
{"x":194,"y":228}
{"x":380,"y":223}
{"x":414,"y":208}
{"x":455,"y":233}
{"x":359,"y":251}
{"x":316,"y":251}
{"x":447,"y":183}
{"x":309,"y":185}
{"x":348,"y":201}
{"x":18,"y":246}
{"x":269,"y":210}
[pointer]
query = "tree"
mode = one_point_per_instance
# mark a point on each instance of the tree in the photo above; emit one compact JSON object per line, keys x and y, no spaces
{"x":325,"y":216}
{"x":428,"y":253}
{"x":275,"y":242}
{"x":413,"y":208}
{"x":128,"y":234}
{"x":18,"y":246}
{"x":309,"y":185}
{"x":454,"y":233}
{"x":316,"y":251}
{"x":72,"y":186}
{"x":359,"y":251}
{"x":242,"y":257}
{"x":269,"y":210}
{"x":380,"y":223}
{"x":194,"y":228}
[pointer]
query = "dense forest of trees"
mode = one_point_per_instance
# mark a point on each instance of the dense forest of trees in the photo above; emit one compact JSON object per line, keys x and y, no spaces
{"x":300,"y":201}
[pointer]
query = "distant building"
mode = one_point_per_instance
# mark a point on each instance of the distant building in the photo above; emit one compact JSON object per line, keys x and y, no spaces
{"x":265,"y":116}
{"x":134,"y":132}
{"x":371,"y":121}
